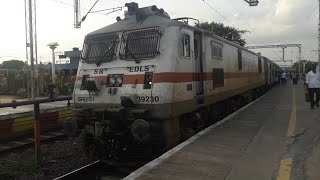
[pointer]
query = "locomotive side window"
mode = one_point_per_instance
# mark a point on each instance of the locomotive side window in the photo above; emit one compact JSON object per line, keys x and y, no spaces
{"x":185,"y":48}
{"x":100,"y":48}
{"x":216,"y":50}
{"x":259,"y":64}
{"x":140,"y":43}
{"x":239,"y":59}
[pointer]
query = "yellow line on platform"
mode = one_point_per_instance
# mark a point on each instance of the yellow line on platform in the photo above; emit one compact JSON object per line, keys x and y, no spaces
{"x":293,"y":116}
{"x":285,"y":169}
{"x":285,"y":164}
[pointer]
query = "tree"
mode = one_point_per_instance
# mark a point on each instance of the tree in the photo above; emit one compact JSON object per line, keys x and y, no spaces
{"x":13,"y":64}
{"x":227,"y":32}
{"x":297,"y":66}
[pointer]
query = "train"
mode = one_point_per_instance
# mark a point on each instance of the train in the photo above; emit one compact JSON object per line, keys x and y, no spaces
{"x":147,"y":82}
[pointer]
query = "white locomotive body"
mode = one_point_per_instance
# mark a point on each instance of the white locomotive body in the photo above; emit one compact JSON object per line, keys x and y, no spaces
{"x":146,"y":80}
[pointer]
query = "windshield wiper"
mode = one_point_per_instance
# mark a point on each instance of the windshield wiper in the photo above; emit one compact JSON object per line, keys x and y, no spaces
{"x":110,"y":48}
{"x":107,"y":52}
{"x":131,"y":55}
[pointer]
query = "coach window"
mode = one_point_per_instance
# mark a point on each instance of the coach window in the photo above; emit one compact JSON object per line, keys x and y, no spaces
{"x":259,"y":64}
{"x":185,"y":42}
{"x":239,"y":59}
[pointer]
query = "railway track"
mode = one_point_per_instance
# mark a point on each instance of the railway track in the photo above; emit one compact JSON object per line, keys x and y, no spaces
{"x":95,"y":171}
{"x":25,"y":142}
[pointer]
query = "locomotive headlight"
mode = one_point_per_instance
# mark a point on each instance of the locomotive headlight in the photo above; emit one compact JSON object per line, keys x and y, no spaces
{"x":111,"y":80}
{"x":115,"y":80}
{"x":119,"y":80}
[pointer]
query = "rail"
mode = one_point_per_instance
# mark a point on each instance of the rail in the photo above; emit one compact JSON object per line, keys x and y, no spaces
{"x":78,"y":173}
{"x":97,"y":170}
{"x":36,"y":104}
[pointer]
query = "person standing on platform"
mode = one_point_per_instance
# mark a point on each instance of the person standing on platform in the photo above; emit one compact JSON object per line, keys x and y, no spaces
{"x":313,"y":84}
{"x":283,"y":77}
{"x":294,"y":77}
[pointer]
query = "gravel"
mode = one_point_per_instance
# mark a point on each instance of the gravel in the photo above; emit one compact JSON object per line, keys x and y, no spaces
{"x":57,"y":158}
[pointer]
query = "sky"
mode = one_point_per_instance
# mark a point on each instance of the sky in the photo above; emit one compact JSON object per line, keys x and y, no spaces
{"x":271,"y":22}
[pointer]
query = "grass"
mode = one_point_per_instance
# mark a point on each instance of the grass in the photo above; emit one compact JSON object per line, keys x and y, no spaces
{"x":32,"y":168}
{"x":7,"y":176}
{"x":29,"y":169}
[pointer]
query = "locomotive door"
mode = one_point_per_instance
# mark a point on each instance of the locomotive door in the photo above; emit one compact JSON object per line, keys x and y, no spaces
{"x":266,"y":71}
{"x":198,"y":67}
{"x":270,"y":73}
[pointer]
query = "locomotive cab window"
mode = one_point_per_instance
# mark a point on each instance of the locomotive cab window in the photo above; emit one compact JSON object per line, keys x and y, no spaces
{"x":216,"y":51}
{"x":100,"y":47}
{"x":185,"y":45}
{"x":140,"y":43}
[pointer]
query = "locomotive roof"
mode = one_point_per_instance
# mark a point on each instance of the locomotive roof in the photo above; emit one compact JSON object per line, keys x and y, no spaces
{"x":132,"y":23}
{"x":152,"y":19}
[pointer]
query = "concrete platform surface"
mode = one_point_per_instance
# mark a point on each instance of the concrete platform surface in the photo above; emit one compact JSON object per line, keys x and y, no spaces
{"x":276,"y":137}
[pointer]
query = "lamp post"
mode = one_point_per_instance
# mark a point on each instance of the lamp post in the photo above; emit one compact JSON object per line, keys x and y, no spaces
{"x":53,"y":46}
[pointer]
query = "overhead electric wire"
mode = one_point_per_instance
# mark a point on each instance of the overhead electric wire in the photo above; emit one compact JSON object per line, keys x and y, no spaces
{"x":224,"y":18}
{"x":218,"y":12}
{"x":12,"y":57}
{"x":251,"y":29}
{"x":91,"y":8}
{"x":97,"y":12}
{"x":57,"y":1}
{"x":243,"y":18}
{"x":233,"y":24}
{"x":62,"y":2}
{"x":115,"y":8}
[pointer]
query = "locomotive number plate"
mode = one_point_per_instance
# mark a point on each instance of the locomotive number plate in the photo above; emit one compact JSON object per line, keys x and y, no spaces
{"x":86,"y":99}
{"x":148,"y":99}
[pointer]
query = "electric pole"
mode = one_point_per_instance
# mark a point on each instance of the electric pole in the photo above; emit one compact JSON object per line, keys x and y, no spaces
{"x":77,"y":14}
{"x":31,"y":45}
{"x":319,"y":38}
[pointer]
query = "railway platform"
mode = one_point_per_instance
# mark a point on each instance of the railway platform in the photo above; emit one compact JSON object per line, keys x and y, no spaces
{"x":27,"y":108}
{"x":274,"y":137}
{"x":19,"y":122}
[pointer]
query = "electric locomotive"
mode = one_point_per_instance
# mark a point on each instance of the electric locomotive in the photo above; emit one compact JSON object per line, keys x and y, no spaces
{"x":148,"y":81}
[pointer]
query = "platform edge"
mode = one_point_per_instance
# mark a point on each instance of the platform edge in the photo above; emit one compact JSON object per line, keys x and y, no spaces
{"x":137,"y":173}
